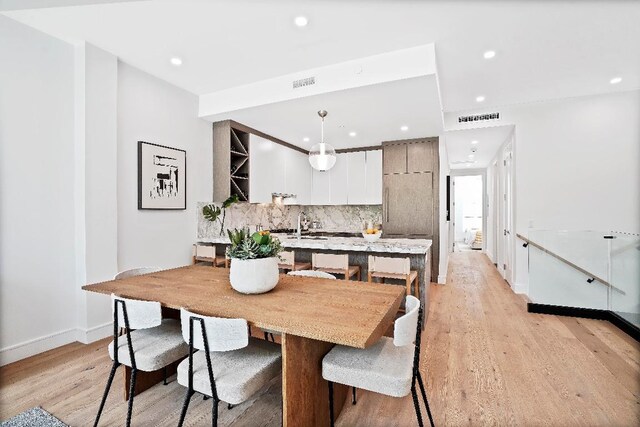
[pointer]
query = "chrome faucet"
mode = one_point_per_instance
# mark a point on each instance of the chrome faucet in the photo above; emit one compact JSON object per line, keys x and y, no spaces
{"x":299,"y":229}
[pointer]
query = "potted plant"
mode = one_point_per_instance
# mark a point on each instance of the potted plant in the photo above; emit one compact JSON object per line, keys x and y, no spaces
{"x":254,"y":261}
{"x":215,"y":213}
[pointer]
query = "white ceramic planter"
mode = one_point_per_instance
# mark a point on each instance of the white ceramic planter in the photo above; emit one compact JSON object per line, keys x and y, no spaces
{"x":254,"y":276}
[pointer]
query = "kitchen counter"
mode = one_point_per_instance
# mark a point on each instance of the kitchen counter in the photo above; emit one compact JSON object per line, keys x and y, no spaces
{"x":355,"y":244}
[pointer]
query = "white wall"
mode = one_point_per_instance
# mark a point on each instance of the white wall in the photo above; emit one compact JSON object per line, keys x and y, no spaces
{"x":152,"y":110}
{"x":37,"y":261}
{"x":444,"y":224}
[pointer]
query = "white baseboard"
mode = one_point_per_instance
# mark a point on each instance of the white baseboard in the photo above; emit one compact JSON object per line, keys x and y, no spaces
{"x":442,"y":279}
{"x":35,"y":346}
{"x":87,"y":336}
{"x":520,"y":288}
{"x":39,"y":345}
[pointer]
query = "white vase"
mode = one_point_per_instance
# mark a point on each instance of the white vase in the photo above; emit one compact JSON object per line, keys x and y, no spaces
{"x":254,"y":276}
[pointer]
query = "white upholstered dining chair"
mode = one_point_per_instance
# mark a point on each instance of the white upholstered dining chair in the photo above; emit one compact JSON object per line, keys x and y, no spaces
{"x":136,"y":272}
{"x":229,"y":365}
{"x":151,"y":343}
{"x":389,"y":367}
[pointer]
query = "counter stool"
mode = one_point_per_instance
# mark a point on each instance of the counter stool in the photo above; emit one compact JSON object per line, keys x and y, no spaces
{"x":394,"y":268}
{"x":206,"y":253}
{"x":288,"y":262}
{"x":390,"y":367}
{"x":228,"y":365}
{"x":151,"y":343}
{"x":335,"y":264}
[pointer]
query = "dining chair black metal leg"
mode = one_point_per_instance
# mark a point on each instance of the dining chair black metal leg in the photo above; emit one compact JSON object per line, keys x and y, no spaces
{"x":266,"y":336}
{"x":132,"y":388}
{"x":185,"y":406}
{"x":272,"y":338}
{"x":164,"y":375}
{"x":214,"y":413}
{"x":331,"y":402}
{"x":424,"y":397}
{"x":106,"y":392}
{"x":354,"y":400}
{"x":416,"y":404}
{"x":229,"y":406}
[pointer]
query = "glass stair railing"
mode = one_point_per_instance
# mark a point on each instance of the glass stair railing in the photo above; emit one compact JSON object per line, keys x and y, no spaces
{"x":585,"y":273}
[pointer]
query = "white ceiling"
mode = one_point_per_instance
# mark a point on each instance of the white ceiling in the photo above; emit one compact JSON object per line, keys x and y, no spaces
{"x":544,"y":49}
{"x":374,"y":112}
{"x":489,"y":139}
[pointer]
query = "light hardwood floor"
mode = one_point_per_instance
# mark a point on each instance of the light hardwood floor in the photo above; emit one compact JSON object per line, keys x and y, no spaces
{"x":486,"y":361}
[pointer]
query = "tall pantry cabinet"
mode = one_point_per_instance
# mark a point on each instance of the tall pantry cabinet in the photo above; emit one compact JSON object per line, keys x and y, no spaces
{"x":410,"y":191}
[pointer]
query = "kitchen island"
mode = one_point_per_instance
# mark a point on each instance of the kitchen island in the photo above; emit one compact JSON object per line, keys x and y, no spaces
{"x":417,"y":250}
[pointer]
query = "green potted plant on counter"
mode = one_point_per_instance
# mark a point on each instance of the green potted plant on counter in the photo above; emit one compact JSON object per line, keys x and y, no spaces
{"x":254,"y":265}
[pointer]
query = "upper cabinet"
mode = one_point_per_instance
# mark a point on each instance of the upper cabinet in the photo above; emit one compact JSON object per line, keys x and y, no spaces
{"x":394,"y":158}
{"x":253,"y":165}
{"x":411,"y":156}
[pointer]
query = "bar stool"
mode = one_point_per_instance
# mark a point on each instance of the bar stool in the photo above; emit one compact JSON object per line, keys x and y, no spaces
{"x":335,"y":264}
{"x":153,"y":345}
{"x":206,"y":253}
{"x":393,"y":268}
{"x":390,"y":367}
{"x":288,"y":262}
{"x":230,"y":366}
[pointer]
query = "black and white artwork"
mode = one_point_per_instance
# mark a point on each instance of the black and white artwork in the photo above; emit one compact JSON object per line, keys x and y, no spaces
{"x":162,"y":173}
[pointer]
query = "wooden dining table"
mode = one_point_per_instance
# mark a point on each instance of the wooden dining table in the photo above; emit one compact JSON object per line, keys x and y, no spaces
{"x":312,"y":315}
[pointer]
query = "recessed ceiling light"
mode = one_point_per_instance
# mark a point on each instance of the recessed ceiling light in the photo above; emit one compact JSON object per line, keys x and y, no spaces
{"x":615,"y":80}
{"x":479,"y":98}
{"x":301,"y":21}
{"x":489,"y":54}
{"x":176,"y":61}
{"x":404,"y":128}
{"x":352,"y":134}
{"x":474,"y":142}
{"x":305,"y":139}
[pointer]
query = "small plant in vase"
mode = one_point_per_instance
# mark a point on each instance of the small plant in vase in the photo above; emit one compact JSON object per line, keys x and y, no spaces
{"x":254,"y":265}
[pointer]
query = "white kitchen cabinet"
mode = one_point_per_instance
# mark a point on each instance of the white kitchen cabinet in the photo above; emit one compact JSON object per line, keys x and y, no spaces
{"x":298,"y":176}
{"x":357,"y":178}
{"x":373,"y":189}
{"x":339,"y":180}
{"x":320,"y":187}
{"x":264,"y":174}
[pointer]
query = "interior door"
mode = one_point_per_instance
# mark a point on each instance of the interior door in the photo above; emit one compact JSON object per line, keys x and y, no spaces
{"x":508,"y":215}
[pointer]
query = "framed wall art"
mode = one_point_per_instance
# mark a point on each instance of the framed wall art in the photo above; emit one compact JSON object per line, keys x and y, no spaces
{"x":162,"y":177}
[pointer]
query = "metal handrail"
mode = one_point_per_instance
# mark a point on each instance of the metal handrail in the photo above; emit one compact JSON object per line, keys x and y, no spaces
{"x":592,"y":277}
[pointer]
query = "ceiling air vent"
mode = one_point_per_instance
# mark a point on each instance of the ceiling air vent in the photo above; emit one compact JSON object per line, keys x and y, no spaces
{"x":479,"y":117}
{"x":307,"y":81}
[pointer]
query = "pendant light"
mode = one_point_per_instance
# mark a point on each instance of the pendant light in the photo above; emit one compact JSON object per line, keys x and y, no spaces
{"x":322,"y":156}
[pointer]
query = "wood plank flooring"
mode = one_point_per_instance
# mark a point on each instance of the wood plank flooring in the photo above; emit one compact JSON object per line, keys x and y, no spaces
{"x":485,"y":360}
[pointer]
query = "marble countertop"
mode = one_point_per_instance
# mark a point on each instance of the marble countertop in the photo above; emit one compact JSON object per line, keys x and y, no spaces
{"x":353,"y":244}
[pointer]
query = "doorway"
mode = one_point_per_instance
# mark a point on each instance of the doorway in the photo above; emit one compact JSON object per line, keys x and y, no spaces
{"x":468,"y":213}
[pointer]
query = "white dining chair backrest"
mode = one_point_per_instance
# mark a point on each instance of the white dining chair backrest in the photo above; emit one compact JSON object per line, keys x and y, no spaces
{"x":204,"y":251}
{"x":141,"y":314}
{"x":222,"y":334}
{"x":383,"y":264}
{"x":312,"y":273}
{"x":288,"y":258}
{"x":333,"y":261}
{"x":136,"y":272}
{"x":404,"y":329}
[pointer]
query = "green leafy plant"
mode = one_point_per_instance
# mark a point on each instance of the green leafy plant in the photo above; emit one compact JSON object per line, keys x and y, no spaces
{"x":215,"y":213}
{"x":245,"y":245}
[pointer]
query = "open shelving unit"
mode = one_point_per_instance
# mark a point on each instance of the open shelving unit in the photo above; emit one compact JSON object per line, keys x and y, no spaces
{"x":230,"y":162}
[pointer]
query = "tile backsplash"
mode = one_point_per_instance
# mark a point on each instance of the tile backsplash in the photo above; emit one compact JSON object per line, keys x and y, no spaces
{"x":273,"y":216}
